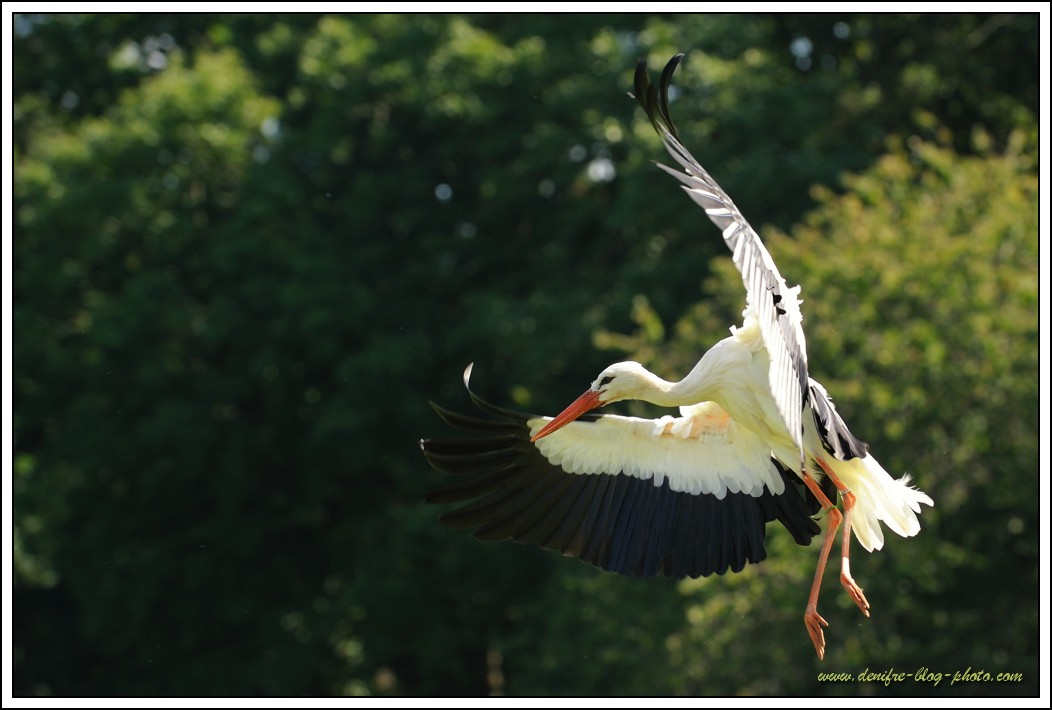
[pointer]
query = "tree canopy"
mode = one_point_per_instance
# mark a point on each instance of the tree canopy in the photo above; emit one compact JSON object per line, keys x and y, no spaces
{"x":249,"y":248}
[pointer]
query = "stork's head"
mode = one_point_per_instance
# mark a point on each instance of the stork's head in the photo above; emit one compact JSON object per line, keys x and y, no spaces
{"x":622,"y":380}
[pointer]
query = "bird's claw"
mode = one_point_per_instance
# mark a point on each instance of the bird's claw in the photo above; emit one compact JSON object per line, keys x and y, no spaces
{"x":855,"y":592}
{"x":814,"y":623}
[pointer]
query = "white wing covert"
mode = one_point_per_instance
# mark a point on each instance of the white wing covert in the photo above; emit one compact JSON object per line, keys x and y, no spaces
{"x":702,"y":451}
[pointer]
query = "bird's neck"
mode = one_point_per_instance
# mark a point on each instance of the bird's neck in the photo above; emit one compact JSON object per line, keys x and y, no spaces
{"x":691,"y":389}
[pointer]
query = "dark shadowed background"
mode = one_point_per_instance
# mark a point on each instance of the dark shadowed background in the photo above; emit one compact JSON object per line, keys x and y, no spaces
{"x":249,"y":248}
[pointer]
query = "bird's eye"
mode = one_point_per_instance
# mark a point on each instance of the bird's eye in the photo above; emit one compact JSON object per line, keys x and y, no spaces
{"x":606,"y":380}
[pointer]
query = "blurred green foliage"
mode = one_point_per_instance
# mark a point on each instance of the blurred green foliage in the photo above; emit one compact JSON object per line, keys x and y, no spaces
{"x":249,"y":248}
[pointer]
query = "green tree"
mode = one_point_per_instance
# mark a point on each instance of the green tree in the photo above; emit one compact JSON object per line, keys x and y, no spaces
{"x":249,"y":247}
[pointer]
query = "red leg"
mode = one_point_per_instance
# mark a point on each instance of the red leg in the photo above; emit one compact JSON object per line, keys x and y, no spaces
{"x":853,"y":590}
{"x":812,"y":619}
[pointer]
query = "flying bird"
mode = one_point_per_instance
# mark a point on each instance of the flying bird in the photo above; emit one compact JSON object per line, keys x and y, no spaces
{"x":756,"y":440}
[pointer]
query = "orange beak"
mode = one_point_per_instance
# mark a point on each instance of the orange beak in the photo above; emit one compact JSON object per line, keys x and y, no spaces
{"x":585,"y":403}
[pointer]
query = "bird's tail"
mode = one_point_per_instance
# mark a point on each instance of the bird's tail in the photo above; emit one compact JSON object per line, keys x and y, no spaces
{"x":879,"y":497}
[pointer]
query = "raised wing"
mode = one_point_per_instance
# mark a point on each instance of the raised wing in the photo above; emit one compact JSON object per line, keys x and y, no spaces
{"x":641,"y":510}
{"x":777,"y":306}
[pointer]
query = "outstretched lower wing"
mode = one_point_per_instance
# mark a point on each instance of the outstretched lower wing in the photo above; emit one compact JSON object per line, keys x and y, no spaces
{"x":777,"y":306}
{"x":681,"y":496}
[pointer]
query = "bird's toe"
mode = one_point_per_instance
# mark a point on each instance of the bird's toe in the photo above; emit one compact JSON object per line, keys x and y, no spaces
{"x":814,"y":623}
{"x":855,"y":592}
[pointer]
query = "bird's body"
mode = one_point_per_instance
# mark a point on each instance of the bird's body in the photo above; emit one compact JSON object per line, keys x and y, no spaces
{"x":756,"y":440}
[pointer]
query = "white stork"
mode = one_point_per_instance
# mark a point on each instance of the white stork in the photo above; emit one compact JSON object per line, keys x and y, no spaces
{"x":756,"y":440}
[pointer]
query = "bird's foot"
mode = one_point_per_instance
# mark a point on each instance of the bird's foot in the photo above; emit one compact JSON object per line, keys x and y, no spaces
{"x":855,"y":592}
{"x":814,"y":623}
